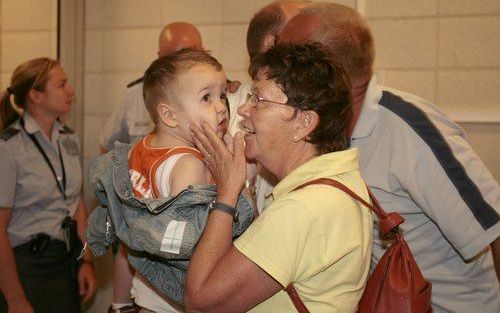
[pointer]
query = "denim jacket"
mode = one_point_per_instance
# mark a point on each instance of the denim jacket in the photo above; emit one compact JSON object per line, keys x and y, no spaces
{"x":160,"y":233}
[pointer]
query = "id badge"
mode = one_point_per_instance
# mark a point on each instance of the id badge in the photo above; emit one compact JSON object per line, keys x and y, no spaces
{"x":70,"y":146}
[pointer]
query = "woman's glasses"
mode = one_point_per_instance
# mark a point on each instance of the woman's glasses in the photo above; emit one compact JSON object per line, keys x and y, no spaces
{"x":256,"y":100}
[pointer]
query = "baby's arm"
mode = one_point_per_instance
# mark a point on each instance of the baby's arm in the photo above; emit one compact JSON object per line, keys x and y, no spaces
{"x":188,"y":170}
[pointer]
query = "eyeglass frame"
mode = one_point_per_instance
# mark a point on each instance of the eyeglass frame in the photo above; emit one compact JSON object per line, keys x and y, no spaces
{"x":255,"y":99}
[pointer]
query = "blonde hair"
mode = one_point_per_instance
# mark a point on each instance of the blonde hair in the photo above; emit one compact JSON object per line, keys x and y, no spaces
{"x":161,"y":77}
{"x":32,"y":74}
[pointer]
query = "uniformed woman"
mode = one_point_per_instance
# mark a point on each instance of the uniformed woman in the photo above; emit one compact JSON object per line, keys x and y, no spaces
{"x":42,"y":213}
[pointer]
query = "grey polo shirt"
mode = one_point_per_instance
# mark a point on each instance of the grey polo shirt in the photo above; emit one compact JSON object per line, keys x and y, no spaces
{"x":418,"y":162}
{"x":130,"y":121}
{"x":27,"y":185}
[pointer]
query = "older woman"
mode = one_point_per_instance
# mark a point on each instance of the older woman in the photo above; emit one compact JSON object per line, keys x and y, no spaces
{"x":40,"y":195}
{"x":317,"y":238}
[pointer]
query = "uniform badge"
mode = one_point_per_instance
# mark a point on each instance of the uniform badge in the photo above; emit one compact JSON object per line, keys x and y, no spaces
{"x":70,"y":146}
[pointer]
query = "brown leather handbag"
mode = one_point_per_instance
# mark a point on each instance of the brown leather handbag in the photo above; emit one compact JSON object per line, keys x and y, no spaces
{"x":396,"y":284}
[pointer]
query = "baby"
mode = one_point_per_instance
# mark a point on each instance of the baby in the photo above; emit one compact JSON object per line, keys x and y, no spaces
{"x":181,"y":89}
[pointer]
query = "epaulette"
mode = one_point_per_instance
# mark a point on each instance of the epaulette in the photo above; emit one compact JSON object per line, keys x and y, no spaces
{"x":135,"y":82}
{"x":8,"y":133}
{"x":66,"y":130}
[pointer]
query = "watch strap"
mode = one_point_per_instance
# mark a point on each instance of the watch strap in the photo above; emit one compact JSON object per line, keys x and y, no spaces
{"x":219,"y":206}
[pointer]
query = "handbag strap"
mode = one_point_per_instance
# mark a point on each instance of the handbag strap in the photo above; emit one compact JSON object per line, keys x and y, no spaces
{"x":388,"y":222}
{"x":297,"y":302}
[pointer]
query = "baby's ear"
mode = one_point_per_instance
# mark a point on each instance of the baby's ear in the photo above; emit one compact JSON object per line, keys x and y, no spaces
{"x":167,"y":115}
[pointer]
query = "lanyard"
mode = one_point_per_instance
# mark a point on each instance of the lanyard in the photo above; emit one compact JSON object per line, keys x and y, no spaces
{"x":62,"y":188}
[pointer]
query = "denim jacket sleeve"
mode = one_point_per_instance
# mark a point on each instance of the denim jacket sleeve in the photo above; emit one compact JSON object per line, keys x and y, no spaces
{"x":168,"y":227}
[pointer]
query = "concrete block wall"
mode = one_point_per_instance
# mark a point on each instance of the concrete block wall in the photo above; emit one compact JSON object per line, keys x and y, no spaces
{"x":121,"y":40}
{"x":28,"y":29}
{"x":446,"y":51}
{"x":442,"y":50}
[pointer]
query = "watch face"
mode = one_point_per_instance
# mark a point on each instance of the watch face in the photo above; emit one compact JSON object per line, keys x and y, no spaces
{"x":211,"y":205}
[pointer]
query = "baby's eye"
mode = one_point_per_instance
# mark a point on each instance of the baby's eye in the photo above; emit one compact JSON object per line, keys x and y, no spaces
{"x":223,"y":97}
{"x":206,"y":97}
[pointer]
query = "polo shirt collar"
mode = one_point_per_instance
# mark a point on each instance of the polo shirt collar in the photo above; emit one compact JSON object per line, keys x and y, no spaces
{"x":325,"y":166}
{"x":369,"y":111}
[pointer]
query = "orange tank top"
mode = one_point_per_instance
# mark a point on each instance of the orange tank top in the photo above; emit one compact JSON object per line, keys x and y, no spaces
{"x":144,"y":161}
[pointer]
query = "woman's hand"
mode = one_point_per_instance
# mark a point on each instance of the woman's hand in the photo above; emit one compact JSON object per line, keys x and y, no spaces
{"x":86,"y":281}
{"x":227,"y":165}
{"x":22,"y":306}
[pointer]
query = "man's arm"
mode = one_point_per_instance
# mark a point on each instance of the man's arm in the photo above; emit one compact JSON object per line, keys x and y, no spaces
{"x":9,"y":280}
{"x":454,"y":188}
{"x":115,"y":129}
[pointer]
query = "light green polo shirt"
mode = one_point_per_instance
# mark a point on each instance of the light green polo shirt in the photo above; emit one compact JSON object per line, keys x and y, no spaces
{"x":318,"y":238}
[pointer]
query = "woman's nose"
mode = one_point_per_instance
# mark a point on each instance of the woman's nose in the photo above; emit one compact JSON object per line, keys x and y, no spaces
{"x":71,"y":90}
{"x":244,"y":109}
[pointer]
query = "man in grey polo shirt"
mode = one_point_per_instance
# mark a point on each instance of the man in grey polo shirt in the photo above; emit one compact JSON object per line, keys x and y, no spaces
{"x":417,"y":162}
{"x":130,"y":121}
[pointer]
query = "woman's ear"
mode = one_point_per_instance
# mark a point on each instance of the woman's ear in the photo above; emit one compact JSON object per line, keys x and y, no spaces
{"x":35,"y":96}
{"x":167,"y":115}
{"x":307,"y":121}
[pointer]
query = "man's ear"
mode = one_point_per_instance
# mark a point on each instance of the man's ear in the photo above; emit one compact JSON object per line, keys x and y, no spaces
{"x":307,"y":121}
{"x":167,"y":115}
{"x":268,"y":42}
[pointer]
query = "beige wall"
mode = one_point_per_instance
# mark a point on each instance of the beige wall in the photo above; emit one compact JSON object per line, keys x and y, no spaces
{"x":443,"y":50}
{"x":28,"y":29}
{"x":447,"y":51}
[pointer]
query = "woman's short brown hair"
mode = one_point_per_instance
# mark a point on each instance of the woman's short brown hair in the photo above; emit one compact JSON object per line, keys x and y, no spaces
{"x":311,"y":79}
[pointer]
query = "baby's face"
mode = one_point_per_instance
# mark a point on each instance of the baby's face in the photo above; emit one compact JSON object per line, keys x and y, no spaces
{"x":201,"y":96}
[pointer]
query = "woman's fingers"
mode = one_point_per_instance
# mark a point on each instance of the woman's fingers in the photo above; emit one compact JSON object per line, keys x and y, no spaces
{"x":215,"y":141}
{"x":201,"y":141}
{"x":228,"y":141}
{"x":239,"y":148}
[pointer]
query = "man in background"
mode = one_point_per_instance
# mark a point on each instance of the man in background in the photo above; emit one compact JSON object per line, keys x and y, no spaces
{"x":130,"y":121}
{"x":262,"y":33}
{"x":417,"y":162}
